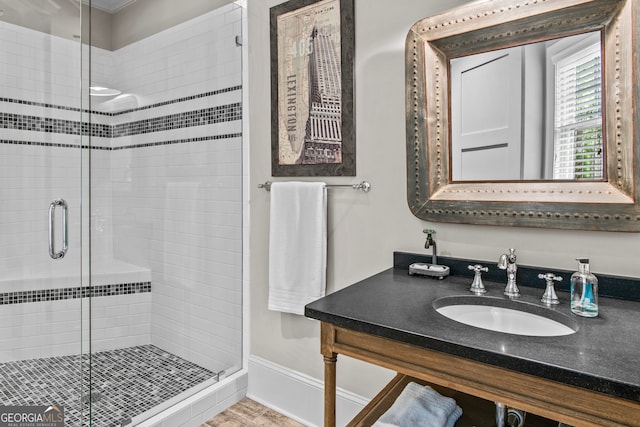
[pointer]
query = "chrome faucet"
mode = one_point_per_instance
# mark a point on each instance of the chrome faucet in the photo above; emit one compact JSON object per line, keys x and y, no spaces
{"x":508,"y":262}
{"x":433,"y":269}
{"x":431,"y":243}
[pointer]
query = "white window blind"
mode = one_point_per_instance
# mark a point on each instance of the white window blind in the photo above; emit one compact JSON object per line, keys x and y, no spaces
{"x":578,"y":149}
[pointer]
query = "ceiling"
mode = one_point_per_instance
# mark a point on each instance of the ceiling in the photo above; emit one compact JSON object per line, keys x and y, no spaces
{"x":52,"y":7}
{"x":56,"y":17}
{"x":112,"y":26}
{"x":110,"y":6}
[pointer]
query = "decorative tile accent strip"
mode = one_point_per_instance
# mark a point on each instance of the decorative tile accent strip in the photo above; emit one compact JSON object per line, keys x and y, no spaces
{"x":44,"y":144}
{"x":42,"y":104}
{"x":207,"y":116}
{"x":124,"y":383}
{"x":146,"y":107}
{"x":173,"y":101}
{"x":42,"y":295}
{"x":49,"y":125}
{"x":125,"y":147}
{"x":179,"y":141}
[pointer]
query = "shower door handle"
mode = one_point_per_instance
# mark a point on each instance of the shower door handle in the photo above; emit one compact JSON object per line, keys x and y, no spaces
{"x":52,"y":222}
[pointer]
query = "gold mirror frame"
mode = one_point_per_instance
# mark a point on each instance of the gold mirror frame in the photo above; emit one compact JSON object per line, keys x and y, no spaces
{"x":494,"y":24}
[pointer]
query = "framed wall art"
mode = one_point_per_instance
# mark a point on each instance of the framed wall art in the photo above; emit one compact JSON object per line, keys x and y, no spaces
{"x":312,"y":100}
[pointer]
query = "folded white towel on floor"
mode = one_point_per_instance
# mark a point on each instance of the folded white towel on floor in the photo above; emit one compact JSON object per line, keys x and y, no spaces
{"x":297,"y":245}
{"x":420,"y":406}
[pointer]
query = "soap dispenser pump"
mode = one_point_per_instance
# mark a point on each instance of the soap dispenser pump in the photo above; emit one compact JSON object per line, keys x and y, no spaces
{"x":584,"y":290}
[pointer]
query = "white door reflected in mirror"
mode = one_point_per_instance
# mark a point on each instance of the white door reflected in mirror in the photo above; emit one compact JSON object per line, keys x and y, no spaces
{"x":530,"y":112}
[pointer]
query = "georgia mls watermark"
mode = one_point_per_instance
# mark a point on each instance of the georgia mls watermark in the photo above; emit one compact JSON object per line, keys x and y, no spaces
{"x":32,"y":416}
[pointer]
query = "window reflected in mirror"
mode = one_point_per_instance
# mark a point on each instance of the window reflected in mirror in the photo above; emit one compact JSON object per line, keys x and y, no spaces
{"x":530,"y":112}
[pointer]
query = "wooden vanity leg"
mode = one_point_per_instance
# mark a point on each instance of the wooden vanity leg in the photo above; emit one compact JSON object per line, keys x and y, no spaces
{"x":330,"y":390}
{"x":327,"y":339}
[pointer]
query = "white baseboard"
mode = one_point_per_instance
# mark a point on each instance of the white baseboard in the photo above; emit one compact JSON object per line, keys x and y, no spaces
{"x":297,"y":395}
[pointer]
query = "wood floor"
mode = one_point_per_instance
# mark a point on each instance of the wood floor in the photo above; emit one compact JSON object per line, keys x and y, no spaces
{"x":248,"y":413}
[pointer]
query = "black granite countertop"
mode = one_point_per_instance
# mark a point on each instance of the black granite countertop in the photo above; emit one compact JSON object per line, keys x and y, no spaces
{"x":603,"y":355}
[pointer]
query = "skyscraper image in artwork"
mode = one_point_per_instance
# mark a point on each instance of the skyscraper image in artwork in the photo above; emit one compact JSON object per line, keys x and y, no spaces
{"x":323,"y":132}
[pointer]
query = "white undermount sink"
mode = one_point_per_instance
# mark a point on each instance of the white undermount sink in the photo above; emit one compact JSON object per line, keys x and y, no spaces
{"x":501,"y":315}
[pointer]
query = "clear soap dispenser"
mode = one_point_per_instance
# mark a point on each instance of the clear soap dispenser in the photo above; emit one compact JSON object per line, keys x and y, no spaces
{"x":584,"y":291}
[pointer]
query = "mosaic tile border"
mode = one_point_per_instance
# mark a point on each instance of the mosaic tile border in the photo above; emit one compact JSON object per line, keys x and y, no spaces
{"x":47,"y":144}
{"x":49,"y":125}
{"x":174,"y":101}
{"x":43,"y":295}
{"x":175,"y":141}
{"x":125,"y":147}
{"x":131,"y":110}
{"x":206,"y":116}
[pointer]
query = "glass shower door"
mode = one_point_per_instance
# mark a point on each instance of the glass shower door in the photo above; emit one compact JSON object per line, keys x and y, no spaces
{"x":43,"y":288}
{"x":165,"y":211}
{"x":103,"y":196}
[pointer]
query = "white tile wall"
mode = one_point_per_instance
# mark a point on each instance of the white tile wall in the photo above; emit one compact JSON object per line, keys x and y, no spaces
{"x":174,"y":209}
{"x":30,"y":71}
{"x":183,"y":60}
{"x":32,"y":177}
{"x":47,"y":329}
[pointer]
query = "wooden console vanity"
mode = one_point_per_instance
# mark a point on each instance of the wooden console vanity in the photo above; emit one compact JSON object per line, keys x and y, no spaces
{"x":571,"y":405}
{"x":589,"y":378}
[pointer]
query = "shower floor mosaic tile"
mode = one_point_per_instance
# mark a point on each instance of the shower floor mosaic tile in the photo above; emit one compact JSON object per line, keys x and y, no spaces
{"x":126,"y":382}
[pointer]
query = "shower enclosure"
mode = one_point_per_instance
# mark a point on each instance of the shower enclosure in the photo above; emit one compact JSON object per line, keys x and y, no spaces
{"x":121,"y":176}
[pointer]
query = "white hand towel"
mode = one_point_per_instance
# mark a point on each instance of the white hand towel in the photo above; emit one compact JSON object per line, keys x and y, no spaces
{"x":297,"y":245}
{"x":420,"y":406}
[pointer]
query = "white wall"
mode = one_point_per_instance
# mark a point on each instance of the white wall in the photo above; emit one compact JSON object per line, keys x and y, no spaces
{"x":364,"y":229}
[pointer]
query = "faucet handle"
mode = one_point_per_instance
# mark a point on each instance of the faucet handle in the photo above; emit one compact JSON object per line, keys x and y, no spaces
{"x":502,"y":262}
{"x":477,"y":287}
{"x":549,"y":297}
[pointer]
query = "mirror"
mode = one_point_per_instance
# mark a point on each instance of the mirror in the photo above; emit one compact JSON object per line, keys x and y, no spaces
{"x":529,"y":112}
{"x":609,"y":202}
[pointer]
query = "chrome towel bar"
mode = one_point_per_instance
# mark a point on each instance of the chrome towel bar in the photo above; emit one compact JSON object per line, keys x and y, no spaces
{"x":364,"y":186}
